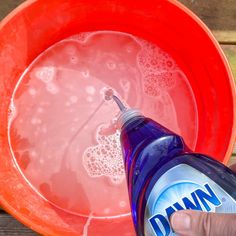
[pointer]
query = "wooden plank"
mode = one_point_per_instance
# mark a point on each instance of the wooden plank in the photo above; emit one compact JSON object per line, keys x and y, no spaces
{"x":218,"y":15}
{"x":230,"y":52}
{"x":225,"y":37}
{"x":232,"y":160}
{"x":7,"y":6}
{"x":11,"y":227}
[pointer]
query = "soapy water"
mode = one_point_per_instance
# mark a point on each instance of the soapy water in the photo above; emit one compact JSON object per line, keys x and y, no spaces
{"x":63,"y":123}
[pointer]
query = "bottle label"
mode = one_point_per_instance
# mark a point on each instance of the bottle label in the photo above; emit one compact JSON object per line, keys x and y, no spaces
{"x":183,"y":187}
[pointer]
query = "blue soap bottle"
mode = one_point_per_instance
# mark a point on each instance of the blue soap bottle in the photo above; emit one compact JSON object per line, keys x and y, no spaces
{"x":165,"y":176}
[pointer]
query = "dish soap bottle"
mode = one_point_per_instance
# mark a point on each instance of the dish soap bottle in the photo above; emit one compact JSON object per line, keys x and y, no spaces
{"x":165,"y":176}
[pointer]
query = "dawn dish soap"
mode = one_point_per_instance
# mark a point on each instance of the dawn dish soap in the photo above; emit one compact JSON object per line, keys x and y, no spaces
{"x":165,"y":176}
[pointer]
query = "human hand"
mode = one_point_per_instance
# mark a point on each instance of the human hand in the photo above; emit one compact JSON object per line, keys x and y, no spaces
{"x":197,"y":223}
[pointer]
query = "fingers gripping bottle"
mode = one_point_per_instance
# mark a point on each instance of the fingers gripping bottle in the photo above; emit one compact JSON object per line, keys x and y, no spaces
{"x":165,"y":176}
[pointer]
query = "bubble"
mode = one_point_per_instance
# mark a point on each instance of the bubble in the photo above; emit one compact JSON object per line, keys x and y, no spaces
{"x":85,"y":73}
{"x":151,"y":90}
{"x":44,"y":129}
{"x":40,"y":110}
{"x":74,"y":60}
{"x":152,"y":59}
{"x":35,"y":121}
{"x":52,"y":88}
{"x":12,"y":112}
{"x":46,"y":74}
{"x":107,"y":210}
{"x":154,"y":62}
{"x":82,"y":37}
{"x":90,"y":90}
{"x":89,"y":99}
{"x":122,"y":204}
{"x":125,"y":85}
{"x":117,"y":180}
{"x":69,"y":86}
{"x":73,"y":99}
{"x":166,"y":80}
{"x":169,"y":63}
{"x":33,"y":153}
{"x":111,"y":65}
{"x":102,"y":160}
{"x":32,"y":91}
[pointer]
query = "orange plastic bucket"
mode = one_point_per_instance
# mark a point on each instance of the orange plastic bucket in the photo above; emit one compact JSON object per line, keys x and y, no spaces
{"x":36,"y":25}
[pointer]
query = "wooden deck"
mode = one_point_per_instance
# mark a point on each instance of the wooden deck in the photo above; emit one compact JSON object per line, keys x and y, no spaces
{"x":219,"y":16}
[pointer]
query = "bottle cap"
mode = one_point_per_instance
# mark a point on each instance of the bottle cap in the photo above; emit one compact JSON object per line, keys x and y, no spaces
{"x":126,"y":114}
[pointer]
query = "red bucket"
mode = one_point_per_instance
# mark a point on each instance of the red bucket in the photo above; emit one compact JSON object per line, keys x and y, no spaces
{"x":36,"y":25}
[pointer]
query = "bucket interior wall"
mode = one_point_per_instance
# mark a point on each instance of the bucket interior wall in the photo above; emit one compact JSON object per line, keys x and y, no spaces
{"x":36,"y":25}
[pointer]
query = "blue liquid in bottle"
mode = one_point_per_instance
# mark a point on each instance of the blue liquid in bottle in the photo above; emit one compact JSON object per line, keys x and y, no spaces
{"x":165,"y":176}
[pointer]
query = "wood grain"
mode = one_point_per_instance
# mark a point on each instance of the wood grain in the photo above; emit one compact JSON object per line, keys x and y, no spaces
{"x":217,"y":14}
{"x":7,"y":6}
{"x":230,"y":52}
{"x":11,"y":227}
{"x":226,"y":37}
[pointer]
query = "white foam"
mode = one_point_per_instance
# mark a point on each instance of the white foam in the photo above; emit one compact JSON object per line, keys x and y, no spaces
{"x":40,"y":110}
{"x":72,"y":129}
{"x":36,"y":121}
{"x":104,"y":160}
{"x":33,"y":153}
{"x":122,"y":204}
{"x":89,"y":99}
{"x":155,"y":66}
{"x":32,"y":91}
{"x":117,"y":180}
{"x":73,"y":99}
{"x":44,"y":129}
{"x":85,"y":73}
{"x":82,"y":37}
{"x":46,"y":74}
{"x":76,"y":119}
{"x":52,"y":88}
{"x":12,"y":112}
{"x":74,"y":60}
{"x":111,"y":65}
{"x":125,"y":85}
{"x":67,"y":104}
{"x":90,"y":90}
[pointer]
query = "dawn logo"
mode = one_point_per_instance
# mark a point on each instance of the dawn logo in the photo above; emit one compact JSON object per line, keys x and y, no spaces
{"x":191,"y":196}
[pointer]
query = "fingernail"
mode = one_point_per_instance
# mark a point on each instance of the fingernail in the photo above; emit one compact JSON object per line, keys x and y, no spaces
{"x":180,"y":221}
